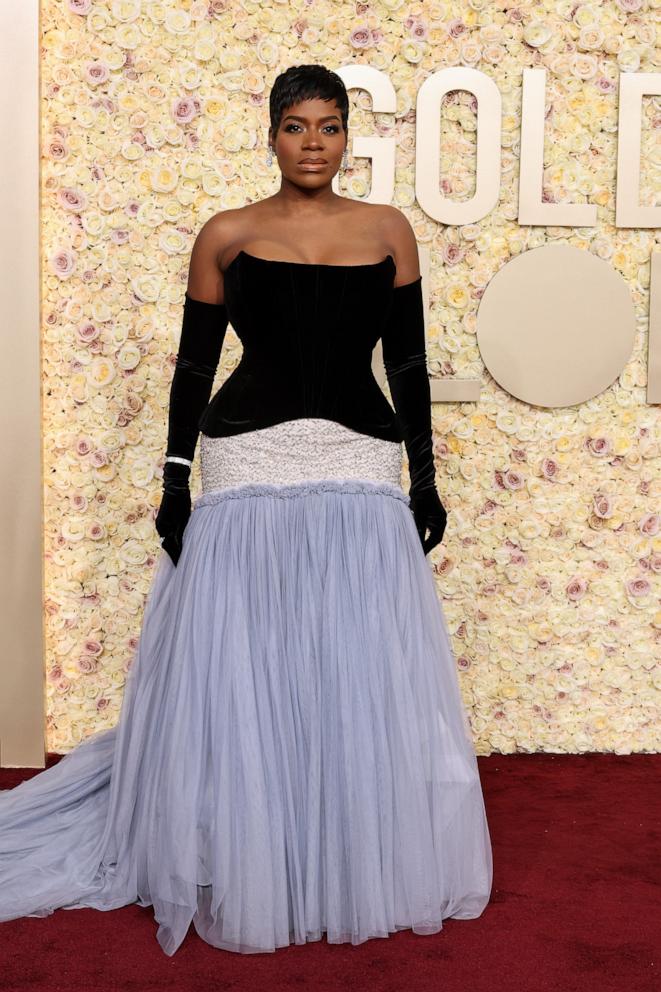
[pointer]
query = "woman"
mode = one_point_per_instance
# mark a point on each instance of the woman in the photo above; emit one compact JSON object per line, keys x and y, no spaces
{"x":292,"y":756}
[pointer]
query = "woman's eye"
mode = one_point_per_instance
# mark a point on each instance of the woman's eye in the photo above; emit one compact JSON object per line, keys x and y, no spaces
{"x":334,"y":128}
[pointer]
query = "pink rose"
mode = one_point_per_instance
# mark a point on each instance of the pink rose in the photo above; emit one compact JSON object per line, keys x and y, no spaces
{"x":96,"y":72}
{"x":417,"y":28}
{"x":105,"y":102}
{"x":444,"y":566}
{"x":184,"y":110}
{"x":361,"y":37}
{"x":99,"y":458}
{"x":512,"y":480}
{"x":62,"y":263}
{"x":576,"y":588}
{"x":71,"y":199}
{"x":456,"y":28}
{"x":600,"y":446}
{"x":452,"y":253}
{"x":133,"y":402}
{"x":550,"y":469}
{"x":603,"y":506}
{"x":86,"y":664}
{"x":640,"y":586}
{"x":441,"y":449}
{"x":649,"y":524}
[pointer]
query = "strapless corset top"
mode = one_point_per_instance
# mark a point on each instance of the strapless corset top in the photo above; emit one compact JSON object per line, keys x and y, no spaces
{"x":308,"y":331}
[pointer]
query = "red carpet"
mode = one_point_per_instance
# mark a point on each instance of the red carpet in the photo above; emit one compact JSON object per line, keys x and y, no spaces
{"x":576,"y":906}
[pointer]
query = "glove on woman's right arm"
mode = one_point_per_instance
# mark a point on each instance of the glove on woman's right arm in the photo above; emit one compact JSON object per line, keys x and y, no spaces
{"x":202,"y":335}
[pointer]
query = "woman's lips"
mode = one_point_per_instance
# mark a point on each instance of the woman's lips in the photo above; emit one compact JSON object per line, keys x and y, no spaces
{"x":312,"y":165}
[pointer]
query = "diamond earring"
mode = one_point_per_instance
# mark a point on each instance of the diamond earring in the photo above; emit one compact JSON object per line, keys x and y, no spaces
{"x":269,"y":157}
{"x":345,"y":159}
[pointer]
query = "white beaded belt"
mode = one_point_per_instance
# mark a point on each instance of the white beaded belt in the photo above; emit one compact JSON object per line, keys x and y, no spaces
{"x":301,"y":450}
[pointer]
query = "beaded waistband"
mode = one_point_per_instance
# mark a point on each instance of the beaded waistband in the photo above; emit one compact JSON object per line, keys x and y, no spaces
{"x":294,"y":489}
{"x":295,"y":451}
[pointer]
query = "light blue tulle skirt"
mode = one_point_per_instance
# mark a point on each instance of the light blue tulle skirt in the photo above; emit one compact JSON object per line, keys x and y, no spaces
{"x":292,"y":756}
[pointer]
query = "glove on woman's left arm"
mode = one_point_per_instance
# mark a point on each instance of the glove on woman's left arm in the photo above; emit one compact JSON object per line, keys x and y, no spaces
{"x":405,"y":361}
{"x":202,"y":335}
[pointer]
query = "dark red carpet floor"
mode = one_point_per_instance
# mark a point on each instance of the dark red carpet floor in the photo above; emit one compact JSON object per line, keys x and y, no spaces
{"x":575,"y":906}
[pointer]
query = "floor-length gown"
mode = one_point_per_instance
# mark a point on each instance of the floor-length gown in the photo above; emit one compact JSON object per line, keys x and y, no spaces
{"x":292,"y":756}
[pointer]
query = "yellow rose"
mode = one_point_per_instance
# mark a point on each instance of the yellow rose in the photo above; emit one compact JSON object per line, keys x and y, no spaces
{"x":164,"y":179}
{"x":457,"y":296}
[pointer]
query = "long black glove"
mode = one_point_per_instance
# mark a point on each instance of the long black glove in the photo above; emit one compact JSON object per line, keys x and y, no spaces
{"x":405,"y":361}
{"x":202,"y":335}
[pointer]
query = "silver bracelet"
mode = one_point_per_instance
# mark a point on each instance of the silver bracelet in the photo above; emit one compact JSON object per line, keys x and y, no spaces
{"x":181,"y":461}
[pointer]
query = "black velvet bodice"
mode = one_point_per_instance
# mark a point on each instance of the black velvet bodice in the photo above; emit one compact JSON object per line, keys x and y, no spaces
{"x":308,"y":331}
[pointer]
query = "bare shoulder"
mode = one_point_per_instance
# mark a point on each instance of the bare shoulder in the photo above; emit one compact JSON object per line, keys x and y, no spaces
{"x":213,"y":240}
{"x":399,"y":236}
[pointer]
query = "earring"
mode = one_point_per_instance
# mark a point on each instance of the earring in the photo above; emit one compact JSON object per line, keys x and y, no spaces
{"x":269,"y":157}
{"x":345,"y":159}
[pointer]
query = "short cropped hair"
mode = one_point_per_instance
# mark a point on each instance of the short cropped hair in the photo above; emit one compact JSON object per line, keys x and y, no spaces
{"x":306,"y":82}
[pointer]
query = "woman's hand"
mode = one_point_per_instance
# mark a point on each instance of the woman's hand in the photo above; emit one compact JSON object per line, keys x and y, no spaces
{"x":175,"y":509}
{"x":429,"y":514}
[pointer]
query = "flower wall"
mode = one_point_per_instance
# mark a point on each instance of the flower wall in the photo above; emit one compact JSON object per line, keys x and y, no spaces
{"x":155,"y":117}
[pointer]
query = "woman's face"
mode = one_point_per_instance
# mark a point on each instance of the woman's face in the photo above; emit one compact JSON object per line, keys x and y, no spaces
{"x":311,"y":129}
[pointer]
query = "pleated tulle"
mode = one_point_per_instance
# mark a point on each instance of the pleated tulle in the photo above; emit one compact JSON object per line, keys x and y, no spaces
{"x":292,"y":755}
